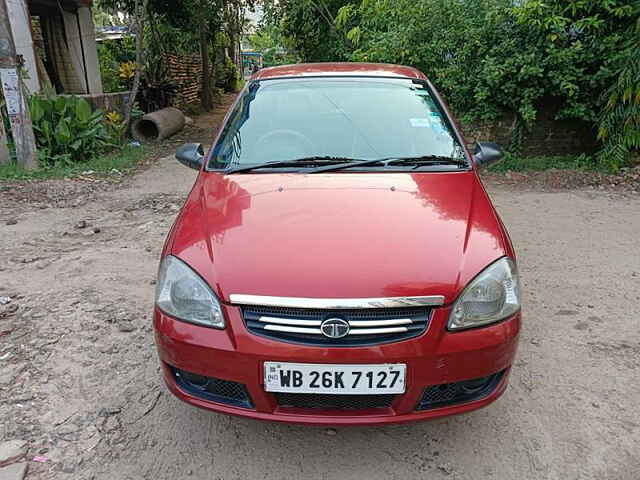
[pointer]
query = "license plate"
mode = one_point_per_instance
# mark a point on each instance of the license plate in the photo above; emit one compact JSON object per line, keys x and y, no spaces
{"x":336,"y":379}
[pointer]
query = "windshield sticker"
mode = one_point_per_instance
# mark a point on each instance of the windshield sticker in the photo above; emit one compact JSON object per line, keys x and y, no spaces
{"x":436,"y":122}
{"x":438,"y":127}
{"x":420,"y":122}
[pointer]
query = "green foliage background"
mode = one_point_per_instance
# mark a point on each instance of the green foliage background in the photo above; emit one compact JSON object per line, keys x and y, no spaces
{"x":111,"y":53}
{"x":274,"y":46}
{"x":492,"y":56}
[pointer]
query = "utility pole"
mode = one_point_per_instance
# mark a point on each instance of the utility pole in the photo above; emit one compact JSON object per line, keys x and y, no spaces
{"x":16,"y":104}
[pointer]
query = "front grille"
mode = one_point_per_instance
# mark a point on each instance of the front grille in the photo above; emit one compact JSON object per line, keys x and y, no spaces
{"x":333,"y":402}
{"x":213,"y":389}
{"x":367,"y":326}
{"x":445,"y":394}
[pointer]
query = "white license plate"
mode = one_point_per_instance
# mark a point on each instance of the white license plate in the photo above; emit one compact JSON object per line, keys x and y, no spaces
{"x":336,"y":379}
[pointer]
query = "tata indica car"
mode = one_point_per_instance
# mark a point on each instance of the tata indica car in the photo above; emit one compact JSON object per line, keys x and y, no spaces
{"x":338,"y":261}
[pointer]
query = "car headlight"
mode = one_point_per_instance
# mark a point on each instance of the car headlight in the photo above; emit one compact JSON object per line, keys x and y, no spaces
{"x":490,"y":297}
{"x":181,"y":293}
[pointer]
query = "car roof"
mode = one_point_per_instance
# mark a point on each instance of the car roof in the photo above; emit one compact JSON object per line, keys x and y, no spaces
{"x":338,"y":69}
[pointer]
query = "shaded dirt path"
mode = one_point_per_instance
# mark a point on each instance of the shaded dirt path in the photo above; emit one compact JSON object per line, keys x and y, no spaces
{"x":80,"y":381}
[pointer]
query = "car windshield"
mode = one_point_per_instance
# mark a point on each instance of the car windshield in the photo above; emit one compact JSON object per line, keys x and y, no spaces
{"x":334,"y":118}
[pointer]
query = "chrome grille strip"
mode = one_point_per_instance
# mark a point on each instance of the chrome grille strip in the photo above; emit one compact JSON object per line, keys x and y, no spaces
{"x":283,"y":328}
{"x":316,"y":331}
{"x":337,"y":303}
{"x":290,"y":321}
{"x":377,"y":331}
{"x":352,"y":323}
{"x":380,"y":323}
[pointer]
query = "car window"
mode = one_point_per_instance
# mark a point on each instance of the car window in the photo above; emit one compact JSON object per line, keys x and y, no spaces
{"x":363,"y":118}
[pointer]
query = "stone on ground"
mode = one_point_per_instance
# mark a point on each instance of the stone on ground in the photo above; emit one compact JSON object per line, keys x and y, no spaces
{"x":17,"y":471}
{"x":11,"y":451}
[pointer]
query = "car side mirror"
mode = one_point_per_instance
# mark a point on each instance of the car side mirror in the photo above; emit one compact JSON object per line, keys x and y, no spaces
{"x":191,"y":155}
{"x":486,"y":153}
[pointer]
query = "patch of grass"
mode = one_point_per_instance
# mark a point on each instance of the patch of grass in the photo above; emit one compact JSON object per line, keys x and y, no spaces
{"x":516,"y":163}
{"x":121,"y":160}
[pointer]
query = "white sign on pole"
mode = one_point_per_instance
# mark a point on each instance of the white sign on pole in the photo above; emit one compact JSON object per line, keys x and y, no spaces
{"x":11,"y":89}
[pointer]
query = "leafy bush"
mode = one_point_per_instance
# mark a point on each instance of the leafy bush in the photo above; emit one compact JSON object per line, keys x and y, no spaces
{"x":111,"y":55}
{"x":307,"y":26}
{"x":126,"y":72}
{"x":121,"y":50}
{"x":619,"y":123}
{"x":516,"y":163}
{"x":492,"y":56}
{"x":272,"y":44}
{"x":154,"y":96}
{"x":67,"y":130}
{"x":156,"y":90}
{"x":108,"y":69}
{"x":227,"y":75}
{"x":488,"y":56}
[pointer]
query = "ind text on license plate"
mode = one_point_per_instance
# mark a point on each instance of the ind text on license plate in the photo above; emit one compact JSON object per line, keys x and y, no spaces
{"x":336,"y":379}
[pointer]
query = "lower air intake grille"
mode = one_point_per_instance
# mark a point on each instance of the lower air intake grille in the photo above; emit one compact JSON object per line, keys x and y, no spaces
{"x":333,"y":402}
{"x":459,"y":392}
{"x":371,"y":326}
{"x":213,"y":389}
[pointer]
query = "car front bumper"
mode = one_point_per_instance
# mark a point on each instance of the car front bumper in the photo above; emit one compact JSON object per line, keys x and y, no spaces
{"x":437,"y":357}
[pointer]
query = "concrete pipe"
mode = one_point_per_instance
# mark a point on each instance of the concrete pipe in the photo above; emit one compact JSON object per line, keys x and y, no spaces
{"x":158,"y":125}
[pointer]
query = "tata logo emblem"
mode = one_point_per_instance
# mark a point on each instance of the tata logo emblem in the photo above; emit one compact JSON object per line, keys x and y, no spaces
{"x":334,"y":328}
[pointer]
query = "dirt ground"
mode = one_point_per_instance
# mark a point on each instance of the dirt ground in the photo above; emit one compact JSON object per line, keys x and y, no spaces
{"x":80,"y":382}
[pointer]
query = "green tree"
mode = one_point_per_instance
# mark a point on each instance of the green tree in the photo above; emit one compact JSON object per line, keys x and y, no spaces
{"x":619,"y":123}
{"x":189,"y":26}
{"x":309,"y":27}
{"x":274,"y":47}
{"x":488,"y":56}
{"x":474,"y":51}
{"x":591,"y":47}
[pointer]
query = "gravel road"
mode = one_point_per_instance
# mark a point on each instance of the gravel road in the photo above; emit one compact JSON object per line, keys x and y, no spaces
{"x":79,"y":376}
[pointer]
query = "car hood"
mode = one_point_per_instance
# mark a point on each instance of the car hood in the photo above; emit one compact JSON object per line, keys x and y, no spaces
{"x":338,"y":235}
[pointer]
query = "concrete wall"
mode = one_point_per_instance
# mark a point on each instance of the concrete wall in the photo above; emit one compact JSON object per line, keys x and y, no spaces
{"x":4,"y":149}
{"x":108,"y":102}
{"x":546,"y":137}
{"x":73,"y":59}
{"x":88,"y":38}
{"x":21,"y":28}
{"x":83,"y":52}
{"x":82,"y":56}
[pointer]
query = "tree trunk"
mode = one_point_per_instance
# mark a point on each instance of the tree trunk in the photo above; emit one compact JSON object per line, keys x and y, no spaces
{"x":207,"y":102}
{"x":232,"y":14}
{"x":215,"y":60}
{"x":236,"y":37}
{"x":140,"y":14}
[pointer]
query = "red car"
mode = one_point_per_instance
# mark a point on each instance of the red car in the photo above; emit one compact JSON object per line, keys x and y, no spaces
{"x":338,"y":261}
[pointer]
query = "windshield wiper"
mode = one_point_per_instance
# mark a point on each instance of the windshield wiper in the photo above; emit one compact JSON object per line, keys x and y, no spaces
{"x":298,"y":162}
{"x":340,"y":163}
{"x":419,"y":160}
{"x":428,"y":160}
